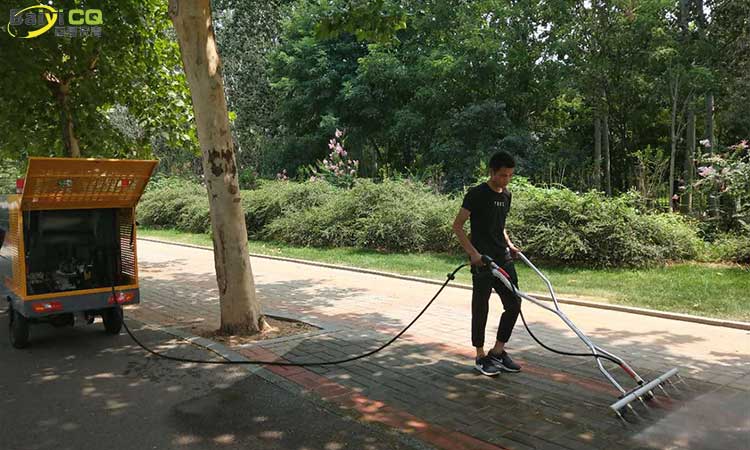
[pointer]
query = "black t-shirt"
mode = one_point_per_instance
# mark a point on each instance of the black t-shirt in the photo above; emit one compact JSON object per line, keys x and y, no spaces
{"x":488,"y":212}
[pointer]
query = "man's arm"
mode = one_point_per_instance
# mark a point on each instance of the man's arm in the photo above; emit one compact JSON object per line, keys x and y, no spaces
{"x":513,"y":249}
{"x":458,"y":230}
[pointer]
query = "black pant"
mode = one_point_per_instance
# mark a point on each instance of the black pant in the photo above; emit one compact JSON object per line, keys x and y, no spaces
{"x":484,"y":282}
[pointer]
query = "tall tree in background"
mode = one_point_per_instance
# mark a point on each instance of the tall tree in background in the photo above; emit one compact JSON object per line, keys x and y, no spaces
{"x":685,"y":74}
{"x":726,"y":47}
{"x":442,"y":81}
{"x":440,"y":94}
{"x":247,"y":32}
{"x":597,"y":152}
{"x":59,"y":94}
{"x":240,"y":307}
{"x":607,"y":157}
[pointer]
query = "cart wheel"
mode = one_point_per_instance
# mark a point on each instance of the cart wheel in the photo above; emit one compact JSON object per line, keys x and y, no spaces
{"x":112,"y":319}
{"x":19,"y":330}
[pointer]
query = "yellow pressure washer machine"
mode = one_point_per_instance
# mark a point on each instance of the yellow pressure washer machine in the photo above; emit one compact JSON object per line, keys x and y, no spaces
{"x":66,"y":238}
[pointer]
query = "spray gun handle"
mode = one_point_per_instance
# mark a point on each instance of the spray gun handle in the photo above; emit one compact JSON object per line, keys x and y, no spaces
{"x":489,"y":261}
{"x":499,"y":272}
{"x":493,"y":265}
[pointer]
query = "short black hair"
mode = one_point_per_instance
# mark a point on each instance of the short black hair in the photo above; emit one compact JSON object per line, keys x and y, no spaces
{"x":502,"y":159}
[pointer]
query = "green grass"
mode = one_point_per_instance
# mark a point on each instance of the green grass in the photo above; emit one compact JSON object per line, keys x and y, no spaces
{"x":701,"y":289}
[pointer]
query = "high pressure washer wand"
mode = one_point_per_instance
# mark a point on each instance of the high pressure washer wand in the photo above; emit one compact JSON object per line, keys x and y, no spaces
{"x":642,"y":391}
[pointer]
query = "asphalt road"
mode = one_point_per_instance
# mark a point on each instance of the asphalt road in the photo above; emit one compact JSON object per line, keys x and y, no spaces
{"x":79,"y":388}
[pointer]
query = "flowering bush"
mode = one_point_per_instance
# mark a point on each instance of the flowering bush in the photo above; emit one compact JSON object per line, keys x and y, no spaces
{"x":338,"y":168}
{"x":248,"y":178}
{"x":282,"y":176}
{"x":728,"y":172}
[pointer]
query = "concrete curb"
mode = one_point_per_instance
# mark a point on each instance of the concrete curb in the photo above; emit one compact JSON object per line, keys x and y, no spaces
{"x":627,"y":309}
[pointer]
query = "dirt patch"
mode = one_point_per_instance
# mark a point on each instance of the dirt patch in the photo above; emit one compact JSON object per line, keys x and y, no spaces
{"x":280,"y":327}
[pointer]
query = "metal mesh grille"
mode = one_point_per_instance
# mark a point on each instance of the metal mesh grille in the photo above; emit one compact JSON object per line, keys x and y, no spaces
{"x":11,"y":246}
{"x":128,"y":269}
{"x":75,"y":183}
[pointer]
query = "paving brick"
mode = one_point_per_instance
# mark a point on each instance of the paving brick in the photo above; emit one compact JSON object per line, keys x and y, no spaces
{"x":557,"y":402}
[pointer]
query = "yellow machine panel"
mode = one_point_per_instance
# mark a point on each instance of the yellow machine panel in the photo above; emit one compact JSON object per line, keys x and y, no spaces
{"x":77,"y":183}
{"x":12,"y":245}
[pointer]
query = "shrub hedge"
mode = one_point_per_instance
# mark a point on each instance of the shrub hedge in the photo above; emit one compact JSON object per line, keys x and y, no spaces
{"x":589,"y":228}
{"x":732,"y":248}
{"x":553,"y":224}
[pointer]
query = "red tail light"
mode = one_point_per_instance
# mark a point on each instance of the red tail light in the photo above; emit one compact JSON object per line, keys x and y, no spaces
{"x":122,"y":297}
{"x":44,"y":307}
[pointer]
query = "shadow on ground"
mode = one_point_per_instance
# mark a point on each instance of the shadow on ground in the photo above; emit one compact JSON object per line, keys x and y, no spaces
{"x":78,"y":388}
{"x":557,"y":402}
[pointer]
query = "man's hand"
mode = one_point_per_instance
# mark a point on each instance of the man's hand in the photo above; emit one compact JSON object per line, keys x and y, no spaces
{"x":476,"y":259}
{"x":514,"y":251}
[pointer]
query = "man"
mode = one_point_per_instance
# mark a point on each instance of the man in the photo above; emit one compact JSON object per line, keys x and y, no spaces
{"x":487,"y":206}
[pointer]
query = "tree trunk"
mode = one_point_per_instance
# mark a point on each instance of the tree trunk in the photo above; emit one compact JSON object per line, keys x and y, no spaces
{"x":673,"y":138}
{"x":607,"y":159}
{"x":689,"y":158}
{"x":623,"y":181}
{"x":713,"y":196}
{"x":60,"y":89}
{"x":640,"y":177}
{"x":710,"y":121}
{"x":240,"y":308}
{"x":713,"y":201}
{"x":683,"y":16}
{"x":70,"y":140}
{"x":597,"y":153}
{"x":700,"y":14}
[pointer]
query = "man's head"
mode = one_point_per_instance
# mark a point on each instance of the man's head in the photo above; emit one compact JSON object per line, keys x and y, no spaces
{"x":501,"y":169}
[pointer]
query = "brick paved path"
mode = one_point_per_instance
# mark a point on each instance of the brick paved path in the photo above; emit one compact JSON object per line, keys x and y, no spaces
{"x":424,"y":384}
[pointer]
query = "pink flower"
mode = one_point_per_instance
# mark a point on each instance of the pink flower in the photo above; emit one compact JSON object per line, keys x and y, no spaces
{"x":705,"y":142}
{"x":339,"y":133}
{"x":706,"y":171}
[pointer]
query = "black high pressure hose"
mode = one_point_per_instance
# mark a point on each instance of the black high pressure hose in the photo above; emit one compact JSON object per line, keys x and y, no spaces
{"x":450,"y":277}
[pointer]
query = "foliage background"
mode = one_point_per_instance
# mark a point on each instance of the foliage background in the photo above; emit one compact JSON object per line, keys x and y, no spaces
{"x":556,"y":225}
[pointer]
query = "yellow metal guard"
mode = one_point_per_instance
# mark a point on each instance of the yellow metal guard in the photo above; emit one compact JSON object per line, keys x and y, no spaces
{"x":77,"y":183}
